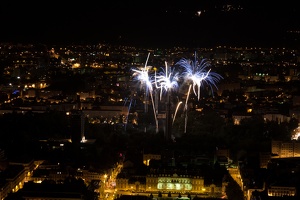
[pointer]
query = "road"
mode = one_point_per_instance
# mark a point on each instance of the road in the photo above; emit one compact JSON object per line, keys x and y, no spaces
{"x":235,"y":174}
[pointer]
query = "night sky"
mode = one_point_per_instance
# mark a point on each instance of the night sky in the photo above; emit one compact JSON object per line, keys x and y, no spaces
{"x":151,"y":23}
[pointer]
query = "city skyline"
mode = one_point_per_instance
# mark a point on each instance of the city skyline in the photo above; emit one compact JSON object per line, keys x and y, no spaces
{"x":168,"y":23}
{"x":255,"y":107}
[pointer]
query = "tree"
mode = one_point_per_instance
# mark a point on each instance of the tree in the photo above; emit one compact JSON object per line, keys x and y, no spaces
{"x":159,"y":194}
{"x":189,"y":196}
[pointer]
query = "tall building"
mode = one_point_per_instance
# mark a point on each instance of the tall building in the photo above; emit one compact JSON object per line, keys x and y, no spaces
{"x":77,"y":126}
{"x":264,"y":158}
{"x":286,"y":149}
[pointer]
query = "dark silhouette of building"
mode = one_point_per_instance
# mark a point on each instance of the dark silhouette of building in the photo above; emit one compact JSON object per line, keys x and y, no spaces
{"x":76,"y":126}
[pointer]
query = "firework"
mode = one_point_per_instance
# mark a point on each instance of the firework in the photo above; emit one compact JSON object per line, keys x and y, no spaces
{"x":142,"y":76}
{"x":196,"y":73}
{"x":166,"y":80}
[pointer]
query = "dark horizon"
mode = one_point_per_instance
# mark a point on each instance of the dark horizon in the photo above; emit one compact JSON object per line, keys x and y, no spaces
{"x":167,"y":24}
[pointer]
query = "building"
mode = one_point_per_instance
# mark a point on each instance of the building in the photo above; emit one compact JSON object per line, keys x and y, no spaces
{"x":170,"y":182}
{"x":264,"y":158}
{"x":280,"y":191}
{"x":77,"y":126}
{"x":286,"y":149}
{"x":11,"y":180}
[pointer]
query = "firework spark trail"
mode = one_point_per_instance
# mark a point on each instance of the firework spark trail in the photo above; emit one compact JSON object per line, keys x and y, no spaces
{"x":185,"y":108}
{"x":187,"y":97}
{"x":166,"y":80}
{"x":145,"y":80}
{"x":129,"y":106}
{"x":143,"y":77}
{"x":153,"y":107}
{"x":179,"y":103}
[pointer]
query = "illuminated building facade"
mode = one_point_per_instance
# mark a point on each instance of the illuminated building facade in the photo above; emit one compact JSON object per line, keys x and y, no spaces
{"x":286,"y":149}
{"x":168,"y":182}
{"x":280,"y":191}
